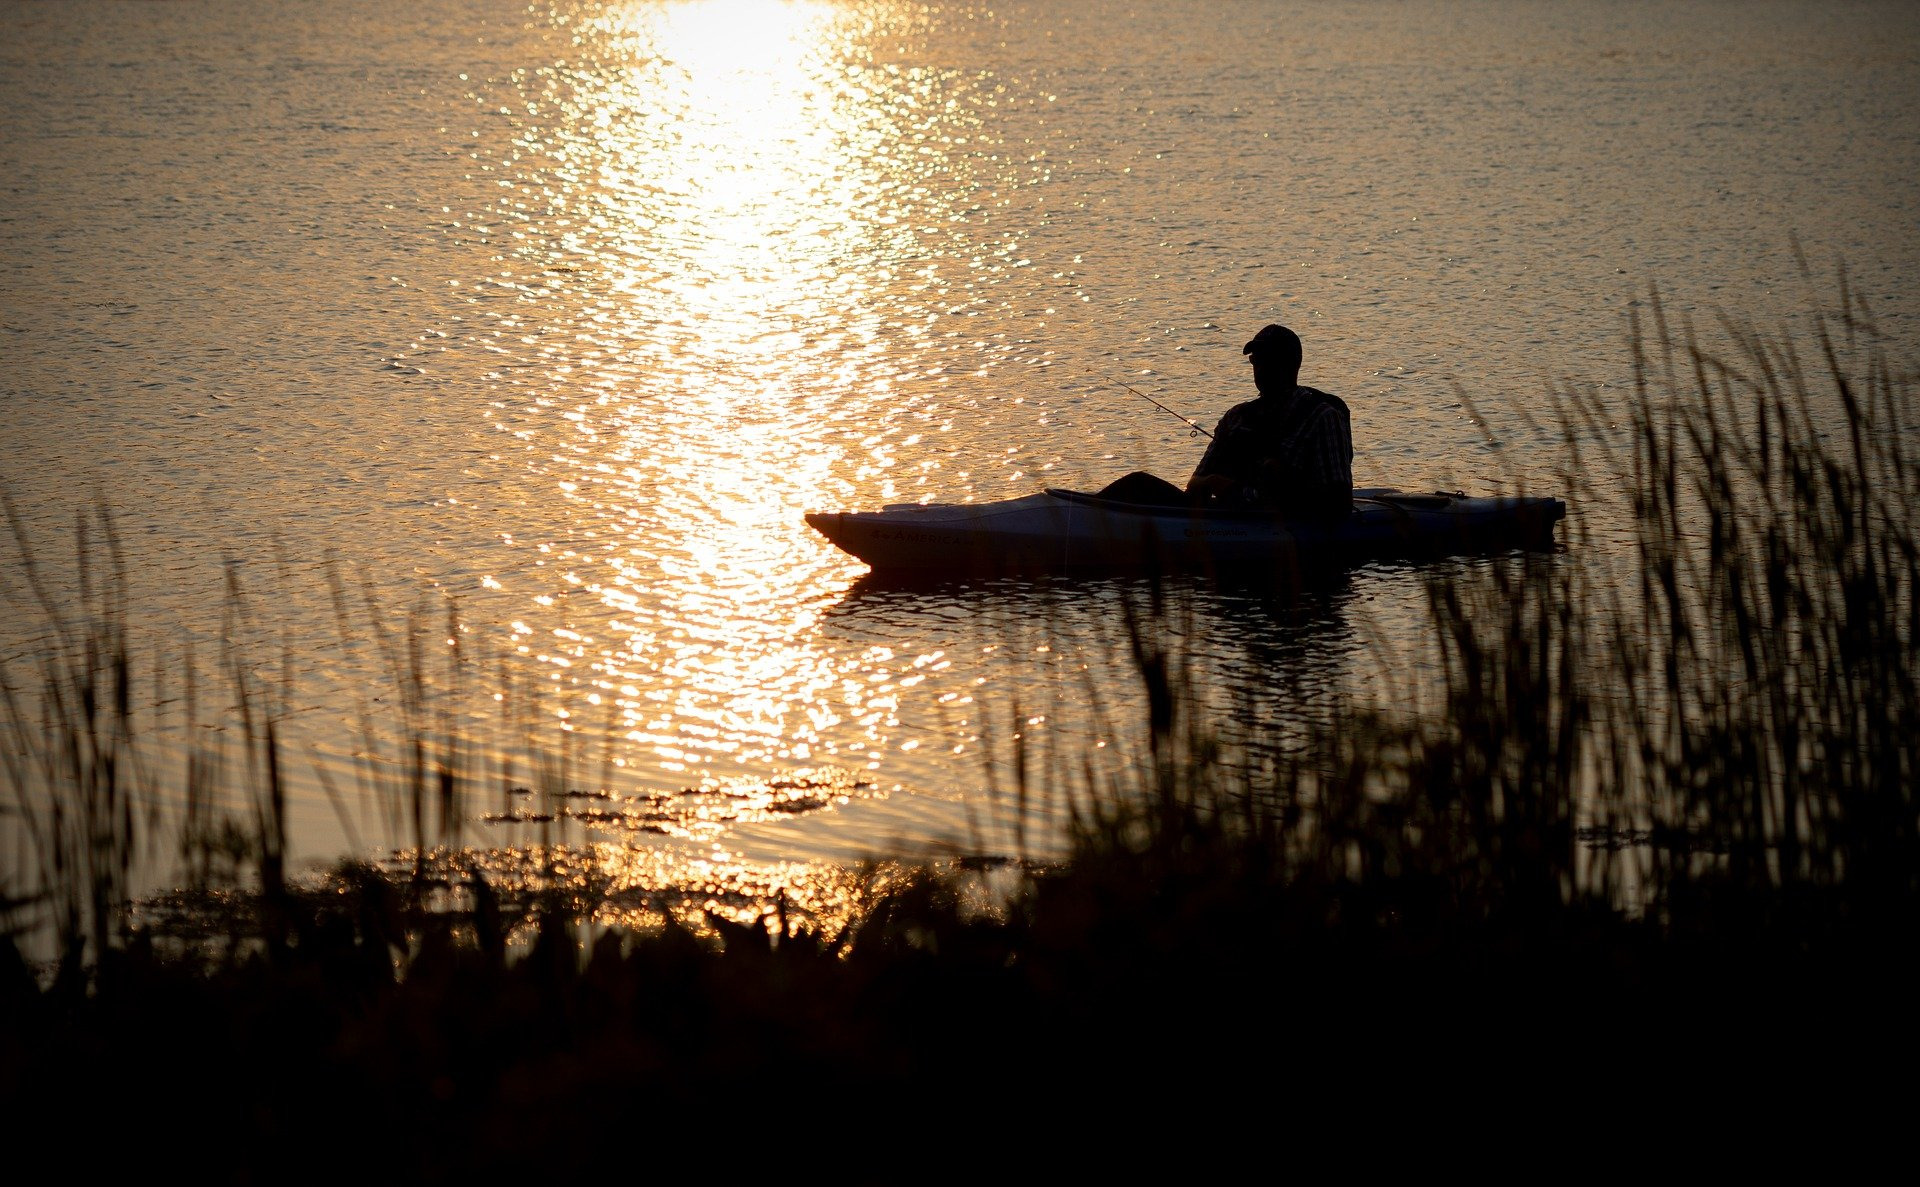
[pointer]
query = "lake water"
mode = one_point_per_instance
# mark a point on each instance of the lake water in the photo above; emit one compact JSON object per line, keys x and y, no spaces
{"x":570,"y":311}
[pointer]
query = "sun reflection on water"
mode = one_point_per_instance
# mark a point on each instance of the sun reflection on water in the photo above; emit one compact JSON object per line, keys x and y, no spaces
{"x":759,"y":268}
{"x":721,"y":169}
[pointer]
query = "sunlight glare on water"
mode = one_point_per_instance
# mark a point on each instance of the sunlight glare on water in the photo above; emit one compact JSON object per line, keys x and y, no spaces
{"x":729,"y":195}
{"x":567,"y":313}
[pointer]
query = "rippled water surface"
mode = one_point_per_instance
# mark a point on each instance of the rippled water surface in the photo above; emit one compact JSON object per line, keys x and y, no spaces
{"x":571,"y":311}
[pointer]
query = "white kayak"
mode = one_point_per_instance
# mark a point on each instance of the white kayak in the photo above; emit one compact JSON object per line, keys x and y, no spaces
{"x":1060,"y":530}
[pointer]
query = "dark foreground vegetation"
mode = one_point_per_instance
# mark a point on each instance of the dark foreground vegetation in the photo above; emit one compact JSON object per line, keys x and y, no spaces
{"x":1655,"y":861}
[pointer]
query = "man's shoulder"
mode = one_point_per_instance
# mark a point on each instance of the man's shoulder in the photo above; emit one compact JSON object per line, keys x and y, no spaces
{"x":1323,"y":402}
{"x":1239,"y":413}
{"x":1267,"y":412}
{"x":1303,"y":392}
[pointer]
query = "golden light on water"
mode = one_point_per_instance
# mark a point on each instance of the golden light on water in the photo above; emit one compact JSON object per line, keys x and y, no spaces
{"x":729,"y":223}
{"x":775,"y":258}
{"x":721,"y":138}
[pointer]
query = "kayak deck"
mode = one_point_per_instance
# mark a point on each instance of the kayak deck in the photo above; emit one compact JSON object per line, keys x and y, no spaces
{"x":1060,"y":530}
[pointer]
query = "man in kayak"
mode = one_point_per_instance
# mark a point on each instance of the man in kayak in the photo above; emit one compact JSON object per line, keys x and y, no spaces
{"x":1290,"y":450}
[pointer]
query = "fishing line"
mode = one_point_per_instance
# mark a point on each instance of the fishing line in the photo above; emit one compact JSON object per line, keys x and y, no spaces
{"x":1149,"y":399}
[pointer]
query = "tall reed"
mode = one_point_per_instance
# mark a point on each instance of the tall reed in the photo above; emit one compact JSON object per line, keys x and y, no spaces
{"x":79,"y":782}
{"x":1764,"y":704}
{"x":1718,"y":719}
{"x":128,"y":765}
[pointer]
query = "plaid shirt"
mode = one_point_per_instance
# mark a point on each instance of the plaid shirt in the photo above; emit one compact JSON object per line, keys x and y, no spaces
{"x":1285,"y":454}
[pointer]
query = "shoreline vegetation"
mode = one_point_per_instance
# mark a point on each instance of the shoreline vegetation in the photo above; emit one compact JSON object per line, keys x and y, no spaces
{"x":1658,"y":844}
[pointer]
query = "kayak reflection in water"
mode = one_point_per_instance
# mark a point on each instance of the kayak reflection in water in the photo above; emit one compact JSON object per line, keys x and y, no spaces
{"x":1290,"y":450}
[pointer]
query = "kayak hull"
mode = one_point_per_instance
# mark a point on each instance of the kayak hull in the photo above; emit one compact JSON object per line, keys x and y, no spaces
{"x":1061,"y":531}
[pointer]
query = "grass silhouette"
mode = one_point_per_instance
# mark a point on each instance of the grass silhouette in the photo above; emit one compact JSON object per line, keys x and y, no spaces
{"x":1665,"y":805}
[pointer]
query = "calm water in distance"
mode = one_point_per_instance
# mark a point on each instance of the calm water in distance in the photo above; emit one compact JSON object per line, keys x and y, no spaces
{"x":572,"y":310}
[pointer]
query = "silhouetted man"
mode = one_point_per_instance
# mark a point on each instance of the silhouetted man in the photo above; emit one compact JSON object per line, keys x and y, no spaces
{"x":1290,"y":450}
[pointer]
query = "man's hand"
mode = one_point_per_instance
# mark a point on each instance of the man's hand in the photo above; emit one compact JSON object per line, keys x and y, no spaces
{"x":1210,"y":488}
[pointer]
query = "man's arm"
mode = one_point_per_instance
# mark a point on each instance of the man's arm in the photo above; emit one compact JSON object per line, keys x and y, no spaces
{"x":1330,"y":451}
{"x":1326,"y":458}
{"x":1216,"y":464}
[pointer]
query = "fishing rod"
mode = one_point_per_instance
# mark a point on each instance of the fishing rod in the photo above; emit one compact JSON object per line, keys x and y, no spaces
{"x":1157,"y":404}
